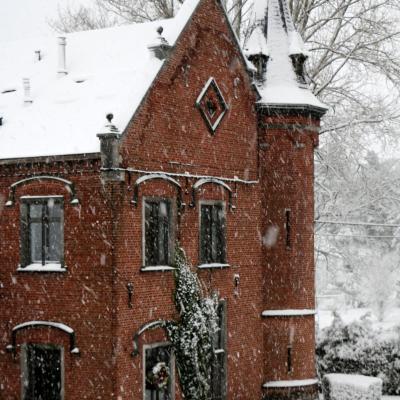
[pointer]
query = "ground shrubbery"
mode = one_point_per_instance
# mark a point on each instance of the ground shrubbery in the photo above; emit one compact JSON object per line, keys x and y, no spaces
{"x":357,"y":349}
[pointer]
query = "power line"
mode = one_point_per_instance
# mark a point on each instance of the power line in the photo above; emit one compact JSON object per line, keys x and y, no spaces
{"x":358,"y":236}
{"x":318,"y":221}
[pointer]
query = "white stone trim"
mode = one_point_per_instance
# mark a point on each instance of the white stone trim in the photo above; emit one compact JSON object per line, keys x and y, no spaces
{"x":288,"y":313}
{"x":57,"y":325}
{"x":288,"y":384}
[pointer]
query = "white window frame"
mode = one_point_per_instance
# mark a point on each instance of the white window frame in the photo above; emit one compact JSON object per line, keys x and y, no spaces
{"x":55,"y":266}
{"x":172,"y":363}
{"x":24,"y":367}
{"x":171,"y":238}
{"x":213,"y":265}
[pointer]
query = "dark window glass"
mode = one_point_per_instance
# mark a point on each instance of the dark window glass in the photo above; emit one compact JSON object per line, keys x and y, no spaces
{"x":41,"y":231}
{"x":218,"y":380}
{"x":157,"y":232}
{"x":43,"y":373}
{"x":159,"y":373}
{"x":212,"y":234}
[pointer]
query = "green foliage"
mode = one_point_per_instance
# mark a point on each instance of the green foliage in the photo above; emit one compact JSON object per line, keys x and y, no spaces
{"x":357,"y":349}
{"x":192,"y":335}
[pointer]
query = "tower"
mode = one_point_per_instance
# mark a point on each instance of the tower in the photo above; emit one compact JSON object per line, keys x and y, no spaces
{"x":289,"y":119}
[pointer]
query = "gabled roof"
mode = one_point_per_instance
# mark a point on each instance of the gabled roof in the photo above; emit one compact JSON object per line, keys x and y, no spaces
{"x":109,"y":71}
{"x":276,"y":37}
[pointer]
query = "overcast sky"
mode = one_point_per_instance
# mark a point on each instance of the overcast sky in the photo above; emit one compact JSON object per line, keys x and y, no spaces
{"x":27,"y":18}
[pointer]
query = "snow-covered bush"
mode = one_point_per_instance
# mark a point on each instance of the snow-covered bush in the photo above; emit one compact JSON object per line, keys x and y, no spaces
{"x":357,"y":349}
{"x":351,"y":387}
{"x":192,"y":336}
{"x":379,"y":282}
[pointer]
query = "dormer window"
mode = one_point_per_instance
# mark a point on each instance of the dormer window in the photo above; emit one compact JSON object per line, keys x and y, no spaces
{"x":298,"y":61}
{"x":260,"y":62}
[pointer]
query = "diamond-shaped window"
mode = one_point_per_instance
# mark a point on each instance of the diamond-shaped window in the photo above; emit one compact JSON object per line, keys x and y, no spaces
{"x":212,"y":105}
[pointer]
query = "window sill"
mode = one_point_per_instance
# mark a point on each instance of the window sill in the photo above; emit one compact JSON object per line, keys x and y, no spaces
{"x":213,"y":266}
{"x":42,"y":268}
{"x":157,"y":268}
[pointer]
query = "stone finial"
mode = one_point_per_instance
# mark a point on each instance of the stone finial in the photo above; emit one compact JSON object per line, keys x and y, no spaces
{"x":160,"y":47}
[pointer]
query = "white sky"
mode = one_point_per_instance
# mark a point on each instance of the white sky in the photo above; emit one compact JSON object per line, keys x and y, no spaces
{"x":27,"y":18}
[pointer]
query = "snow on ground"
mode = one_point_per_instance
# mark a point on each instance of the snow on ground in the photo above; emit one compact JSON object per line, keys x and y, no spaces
{"x":388,"y":326}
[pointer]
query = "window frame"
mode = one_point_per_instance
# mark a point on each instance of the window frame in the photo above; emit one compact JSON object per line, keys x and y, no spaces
{"x":171,"y":238}
{"x":225,"y":263}
{"x":25,"y":368}
{"x":26,"y":262}
{"x":151,"y":346}
{"x":222,"y":304}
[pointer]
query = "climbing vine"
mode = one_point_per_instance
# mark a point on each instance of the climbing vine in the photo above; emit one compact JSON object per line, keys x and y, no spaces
{"x":192,"y":335}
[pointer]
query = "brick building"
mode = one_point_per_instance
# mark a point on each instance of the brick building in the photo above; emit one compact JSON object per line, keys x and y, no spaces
{"x":208,"y":144}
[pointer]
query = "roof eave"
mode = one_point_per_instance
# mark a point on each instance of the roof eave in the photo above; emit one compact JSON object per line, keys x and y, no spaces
{"x":290,"y":109}
{"x":50,"y":159}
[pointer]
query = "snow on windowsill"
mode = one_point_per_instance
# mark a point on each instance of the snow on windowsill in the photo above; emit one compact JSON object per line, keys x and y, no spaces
{"x":213,"y":265}
{"x":288,"y":313}
{"x":42,"y":268}
{"x":287,"y":384}
{"x":157,"y":268}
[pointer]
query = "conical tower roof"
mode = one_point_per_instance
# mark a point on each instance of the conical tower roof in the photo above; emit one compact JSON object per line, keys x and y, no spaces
{"x":276,"y":39}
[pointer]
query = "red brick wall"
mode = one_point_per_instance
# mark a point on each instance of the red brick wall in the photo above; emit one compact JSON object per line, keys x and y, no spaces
{"x":287,"y":176}
{"x":168,"y":133}
{"x":169,"y":128}
{"x":79,"y":298}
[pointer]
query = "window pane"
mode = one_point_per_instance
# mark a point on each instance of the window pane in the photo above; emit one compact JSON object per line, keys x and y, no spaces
{"x":35,"y":235}
{"x":44,"y":373}
{"x":218,"y":367}
{"x":36,"y":210}
{"x":151,"y":233}
{"x":158,"y":370}
{"x":53,"y":209}
{"x":54,"y":242}
{"x":163,"y":238}
{"x":206,"y":234}
{"x":212,"y":234}
{"x":157,"y":232}
{"x":220,"y":234}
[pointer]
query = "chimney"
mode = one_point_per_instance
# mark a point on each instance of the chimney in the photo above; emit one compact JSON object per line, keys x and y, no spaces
{"x":27,"y":90}
{"x":62,"y":63}
{"x":109,"y":149}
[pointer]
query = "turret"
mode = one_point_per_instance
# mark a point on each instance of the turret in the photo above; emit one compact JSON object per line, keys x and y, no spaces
{"x":289,"y":118}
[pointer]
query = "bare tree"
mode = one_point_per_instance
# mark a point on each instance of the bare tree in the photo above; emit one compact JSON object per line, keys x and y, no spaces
{"x":106,"y":13}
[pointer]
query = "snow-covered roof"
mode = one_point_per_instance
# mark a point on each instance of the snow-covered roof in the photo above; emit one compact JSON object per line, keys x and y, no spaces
{"x":109,"y":71}
{"x":276,"y":37}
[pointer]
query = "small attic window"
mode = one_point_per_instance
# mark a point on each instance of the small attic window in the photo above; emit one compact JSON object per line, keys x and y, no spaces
{"x":298,"y":61}
{"x":5,"y":91}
